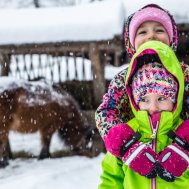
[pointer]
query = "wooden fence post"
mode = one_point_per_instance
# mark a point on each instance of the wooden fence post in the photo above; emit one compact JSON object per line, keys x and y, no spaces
{"x":98,"y":73}
{"x":5,"y":64}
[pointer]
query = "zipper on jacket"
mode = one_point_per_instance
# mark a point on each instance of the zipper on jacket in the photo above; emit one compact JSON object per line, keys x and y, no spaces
{"x":154,"y":143}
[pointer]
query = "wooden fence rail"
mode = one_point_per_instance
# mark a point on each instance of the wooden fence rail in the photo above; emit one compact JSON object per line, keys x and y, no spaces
{"x":55,"y":60}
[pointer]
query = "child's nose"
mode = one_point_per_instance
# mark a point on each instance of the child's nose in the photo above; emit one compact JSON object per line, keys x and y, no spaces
{"x":151,"y":35}
{"x":153,"y":109}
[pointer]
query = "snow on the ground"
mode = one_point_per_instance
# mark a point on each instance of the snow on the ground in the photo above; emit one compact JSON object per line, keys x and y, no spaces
{"x":65,"y":172}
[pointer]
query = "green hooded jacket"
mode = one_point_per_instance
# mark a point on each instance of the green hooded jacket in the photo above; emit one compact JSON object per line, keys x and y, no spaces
{"x":115,"y":174}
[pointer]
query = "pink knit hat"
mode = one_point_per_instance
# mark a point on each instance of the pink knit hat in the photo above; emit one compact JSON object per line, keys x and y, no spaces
{"x":150,"y":12}
{"x":153,"y":78}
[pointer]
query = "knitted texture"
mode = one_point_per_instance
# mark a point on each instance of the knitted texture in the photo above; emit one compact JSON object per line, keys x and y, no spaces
{"x":152,"y":78}
{"x":155,"y":13}
{"x":150,"y":14}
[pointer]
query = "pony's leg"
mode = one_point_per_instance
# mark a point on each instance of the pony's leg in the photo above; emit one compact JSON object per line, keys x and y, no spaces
{"x":45,"y":141}
{"x":8,"y":149}
{"x":4,"y":149}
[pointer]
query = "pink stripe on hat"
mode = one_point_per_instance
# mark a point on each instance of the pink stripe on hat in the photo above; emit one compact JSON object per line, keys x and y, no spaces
{"x":150,"y":14}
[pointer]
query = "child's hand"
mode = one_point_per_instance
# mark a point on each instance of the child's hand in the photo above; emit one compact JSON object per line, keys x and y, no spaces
{"x":175,"y":158}
{"x":173,"y":162}
{"x":116,"y":138}
{"x":139,"y":157}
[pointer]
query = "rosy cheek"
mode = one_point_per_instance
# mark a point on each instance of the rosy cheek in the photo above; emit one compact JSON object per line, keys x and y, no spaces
{"x":143,"y":106}
{"x":138,"y":43}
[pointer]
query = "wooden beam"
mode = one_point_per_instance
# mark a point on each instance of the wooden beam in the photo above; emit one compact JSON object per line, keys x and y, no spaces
{"x":108,"y":45}
{"x":5,"y":64}
{"x":98,"y":73}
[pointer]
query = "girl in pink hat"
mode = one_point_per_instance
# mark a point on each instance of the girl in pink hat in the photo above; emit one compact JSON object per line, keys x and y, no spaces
{"x":149,"y":23}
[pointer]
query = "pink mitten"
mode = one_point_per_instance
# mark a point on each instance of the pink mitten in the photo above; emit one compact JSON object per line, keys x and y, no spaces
{"x":141,"y":158}
{"x":174,"y":161}
{"x":175,"y":158}
{"x":116,"y":138}
{"x":138,"y":156}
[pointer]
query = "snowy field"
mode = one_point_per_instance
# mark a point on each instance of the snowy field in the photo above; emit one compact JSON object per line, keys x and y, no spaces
{"x":66,"y":172}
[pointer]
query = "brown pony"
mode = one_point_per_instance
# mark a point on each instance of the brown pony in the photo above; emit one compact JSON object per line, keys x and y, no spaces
{"x":28,"y":107}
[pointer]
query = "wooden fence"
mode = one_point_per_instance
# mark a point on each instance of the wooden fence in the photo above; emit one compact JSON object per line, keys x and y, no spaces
{"x":53,"y":60}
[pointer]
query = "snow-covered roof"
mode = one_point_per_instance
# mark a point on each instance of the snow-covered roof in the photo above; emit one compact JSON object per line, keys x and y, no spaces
{"x":100,"y":20}
{"x":94,"y":21}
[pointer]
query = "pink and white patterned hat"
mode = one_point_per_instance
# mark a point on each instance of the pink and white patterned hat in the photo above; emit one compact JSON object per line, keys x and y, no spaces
{"x":153,"y":78}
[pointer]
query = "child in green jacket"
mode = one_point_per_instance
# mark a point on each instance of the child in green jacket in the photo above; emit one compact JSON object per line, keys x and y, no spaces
{"x":141,"y":153}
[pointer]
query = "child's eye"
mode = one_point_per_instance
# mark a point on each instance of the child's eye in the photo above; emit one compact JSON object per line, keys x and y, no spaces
{"x":144,"y":100}
{"x":162,"y":98}
{"x":141,"y":32}
{"x":160,"y":30}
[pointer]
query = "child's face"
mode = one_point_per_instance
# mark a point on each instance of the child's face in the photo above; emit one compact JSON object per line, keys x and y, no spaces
{"x":154,"y":103}
{"x":151,"y":30}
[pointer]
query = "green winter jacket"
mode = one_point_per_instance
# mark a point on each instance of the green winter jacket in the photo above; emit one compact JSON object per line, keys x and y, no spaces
{"x":115,"y":174}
